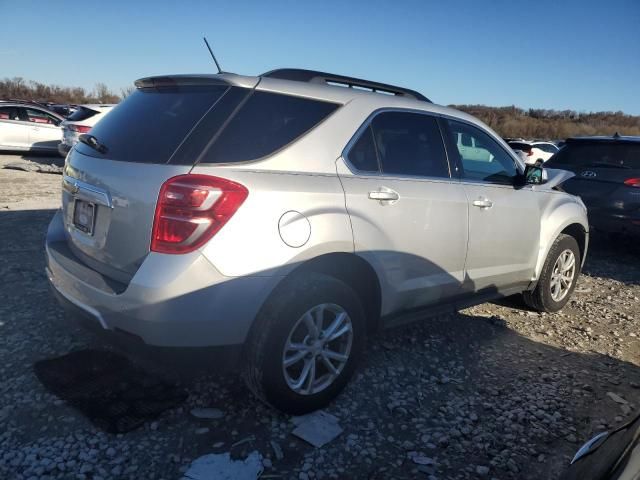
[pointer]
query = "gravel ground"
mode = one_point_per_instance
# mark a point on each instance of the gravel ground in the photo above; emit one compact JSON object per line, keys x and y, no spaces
{"x":494,"y":391}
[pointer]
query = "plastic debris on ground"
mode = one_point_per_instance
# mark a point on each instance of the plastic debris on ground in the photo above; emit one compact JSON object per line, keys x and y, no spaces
{"x":222,"y":467}
{"x":317,"y":428}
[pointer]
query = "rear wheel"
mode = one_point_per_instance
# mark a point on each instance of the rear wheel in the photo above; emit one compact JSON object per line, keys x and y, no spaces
{"x":305,"y":344}
{"x":558,"y":278}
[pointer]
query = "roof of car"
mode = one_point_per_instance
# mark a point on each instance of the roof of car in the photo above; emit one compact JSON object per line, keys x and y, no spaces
{"x":605,"y":139}
{"x":23,"y":103}
{"x":316,"y":85}
{"x":97,"y":105}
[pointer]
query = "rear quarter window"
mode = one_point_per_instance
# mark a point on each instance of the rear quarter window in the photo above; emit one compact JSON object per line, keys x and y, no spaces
{"x":150,"y":124}
{"x":265,"y":123}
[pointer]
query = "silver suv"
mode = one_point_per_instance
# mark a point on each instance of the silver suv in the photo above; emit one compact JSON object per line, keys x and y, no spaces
{"x":290,"y":217}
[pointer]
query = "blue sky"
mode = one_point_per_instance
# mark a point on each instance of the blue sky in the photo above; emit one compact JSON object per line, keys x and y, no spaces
{"x":559,"y":54}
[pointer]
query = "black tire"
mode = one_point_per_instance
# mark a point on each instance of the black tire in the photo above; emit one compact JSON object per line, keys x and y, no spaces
{"x":540,"y":298}
{"x":262,"y":369}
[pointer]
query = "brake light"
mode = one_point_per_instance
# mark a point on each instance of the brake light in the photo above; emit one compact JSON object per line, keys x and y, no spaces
{"x":530,"y":152}
{"x":191,"y":209}
{"x":78,"y":128}
{"x":632,"y":182}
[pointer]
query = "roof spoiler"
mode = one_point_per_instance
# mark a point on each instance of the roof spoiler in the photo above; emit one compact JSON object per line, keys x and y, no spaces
{"x":312,"y":76}
{"x":177,"y":80}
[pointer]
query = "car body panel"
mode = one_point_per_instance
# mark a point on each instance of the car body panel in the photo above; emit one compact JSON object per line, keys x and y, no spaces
{"x":503,"y":239}
{"x":38,"y":131}
{"x":123,"y":220}
{"x":428,"y":247}
{"x":416,"y":244}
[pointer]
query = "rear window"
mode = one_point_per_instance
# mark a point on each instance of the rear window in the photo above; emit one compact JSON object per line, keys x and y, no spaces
{"x":82,"y":113}
{"x":266,"y":123}
{"x":598,"y":155}
{"x":150,"y":124}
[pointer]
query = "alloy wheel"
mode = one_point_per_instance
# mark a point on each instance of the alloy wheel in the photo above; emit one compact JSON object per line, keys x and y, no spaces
{"x":317,"y":349}
{"x":563,"y":275}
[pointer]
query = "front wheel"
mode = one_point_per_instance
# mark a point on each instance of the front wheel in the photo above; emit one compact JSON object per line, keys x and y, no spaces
{"x":558,"y":278}
{"x":305,"y":344}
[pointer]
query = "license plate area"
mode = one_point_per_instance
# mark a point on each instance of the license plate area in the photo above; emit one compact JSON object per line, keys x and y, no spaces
{"x":84,"y":216}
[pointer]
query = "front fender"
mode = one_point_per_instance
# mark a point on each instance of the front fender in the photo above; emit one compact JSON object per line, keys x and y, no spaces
{"x":562,"y":211}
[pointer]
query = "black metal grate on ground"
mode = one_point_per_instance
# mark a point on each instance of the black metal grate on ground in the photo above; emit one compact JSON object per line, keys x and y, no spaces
{"x":108,"y":389}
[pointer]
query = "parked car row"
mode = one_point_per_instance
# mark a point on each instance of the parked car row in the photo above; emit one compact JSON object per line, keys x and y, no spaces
{"x":30,"y":126}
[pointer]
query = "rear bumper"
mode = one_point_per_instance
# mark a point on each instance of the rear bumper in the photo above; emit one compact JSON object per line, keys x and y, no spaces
{"x":172,"y":300}
{"x":63,"y":149}
{"x":615,"y":223}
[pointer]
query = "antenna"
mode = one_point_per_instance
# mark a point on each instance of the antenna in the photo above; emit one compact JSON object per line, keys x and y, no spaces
{"x":212,"y":55}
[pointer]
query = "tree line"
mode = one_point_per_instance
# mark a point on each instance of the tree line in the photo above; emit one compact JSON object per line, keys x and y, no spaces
{"x":507,"y":121}
{"x":18,"y":88}
{"x":537,"y":123}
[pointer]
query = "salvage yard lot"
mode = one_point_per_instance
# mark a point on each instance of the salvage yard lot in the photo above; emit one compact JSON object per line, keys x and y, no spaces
{"x":495,"y":391}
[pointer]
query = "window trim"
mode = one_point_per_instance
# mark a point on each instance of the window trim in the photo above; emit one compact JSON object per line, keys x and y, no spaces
{"x":445,"y":128}
{"x":367,"y":124}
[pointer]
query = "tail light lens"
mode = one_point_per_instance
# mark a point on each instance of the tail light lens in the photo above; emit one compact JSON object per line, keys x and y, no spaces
{"x":191,"y":209}
{"x":530,"y":152}
{"x":632,"y":182}
{"x":78,"y":128}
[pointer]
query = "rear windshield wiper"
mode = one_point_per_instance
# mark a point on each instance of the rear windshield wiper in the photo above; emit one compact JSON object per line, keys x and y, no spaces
{"x":608,"y":165}
{"x":93,"y":142}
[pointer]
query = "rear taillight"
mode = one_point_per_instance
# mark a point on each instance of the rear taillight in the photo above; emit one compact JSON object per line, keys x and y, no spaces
{"x":530,"y":152}
{"x":191,"y":209}
{"x":78,"y":128}
{"x":632,"y":182}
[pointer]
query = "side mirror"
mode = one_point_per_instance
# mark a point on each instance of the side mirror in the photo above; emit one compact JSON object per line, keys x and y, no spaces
{"x":535,"y":175}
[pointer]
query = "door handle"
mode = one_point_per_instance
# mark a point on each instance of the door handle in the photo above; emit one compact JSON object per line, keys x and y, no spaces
{"x":483,"y":203}
{"x":384,"y":195}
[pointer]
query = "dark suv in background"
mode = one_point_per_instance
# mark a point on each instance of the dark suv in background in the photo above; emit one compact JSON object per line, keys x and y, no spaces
{"x":607,"y":179}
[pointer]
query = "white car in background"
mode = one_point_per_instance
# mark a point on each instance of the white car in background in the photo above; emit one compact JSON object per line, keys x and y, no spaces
{"x":79,"y":122}
{"x":27,"y":126}
{"x":533,"y":152}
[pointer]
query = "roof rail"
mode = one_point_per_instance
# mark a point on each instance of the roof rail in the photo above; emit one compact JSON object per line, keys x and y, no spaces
{"x":312,"y":76}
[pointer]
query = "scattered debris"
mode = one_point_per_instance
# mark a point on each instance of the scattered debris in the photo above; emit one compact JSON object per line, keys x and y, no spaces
{"x":482,"y":470}
{"x":208,"y":413}
{"x":277,"y":450}
{"x":317,"y":428}
{"x":248,"y":439}
{"x":420,"y":458}
{"x":616,"y":398}
{"x":222,"y":467}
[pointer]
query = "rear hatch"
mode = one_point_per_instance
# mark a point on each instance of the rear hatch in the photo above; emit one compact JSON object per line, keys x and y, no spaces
{"x":601,"y":169}
{"x":110,"y":193}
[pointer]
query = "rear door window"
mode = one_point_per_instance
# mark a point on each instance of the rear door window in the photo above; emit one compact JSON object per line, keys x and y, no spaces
{"x":267,"y":122}
{"x":410,"y":144}
{"x":149,"y":125}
